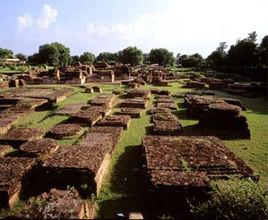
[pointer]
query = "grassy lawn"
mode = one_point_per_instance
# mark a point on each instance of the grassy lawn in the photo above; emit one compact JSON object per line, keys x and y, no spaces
{"x":122,"y":188}
{"x":254,"y":151}
{"x":124,"y":185}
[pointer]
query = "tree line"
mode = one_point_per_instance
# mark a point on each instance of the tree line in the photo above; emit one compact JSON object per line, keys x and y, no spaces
{"x":245,"y":56}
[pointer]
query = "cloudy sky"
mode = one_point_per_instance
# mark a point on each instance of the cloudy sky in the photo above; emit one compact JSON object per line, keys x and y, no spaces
{"x":184,"y":26}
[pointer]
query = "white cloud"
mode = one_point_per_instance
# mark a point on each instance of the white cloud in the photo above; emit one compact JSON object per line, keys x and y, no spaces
{"x":179,"y":25}
{"x":48,"y":16}
{"x":187,"y":26}
{"x":116,"y":31}
{"x":24,"y":21}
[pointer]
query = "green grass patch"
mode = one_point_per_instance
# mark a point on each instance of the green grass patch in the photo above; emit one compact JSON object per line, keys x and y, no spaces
{"x":124,"y":180}
{"x":123,"y":187}
{"x":44,"y":119}
{"x":234,"y":199}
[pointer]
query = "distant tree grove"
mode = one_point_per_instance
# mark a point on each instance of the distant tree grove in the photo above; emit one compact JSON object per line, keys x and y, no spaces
{"x":244,"y":57}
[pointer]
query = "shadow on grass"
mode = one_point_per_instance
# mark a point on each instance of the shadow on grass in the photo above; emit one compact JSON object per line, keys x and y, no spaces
{"x":109,"y":209}
{"x":197,"y":130}
{"x":128,"y":175}
{"x":151,"y":207}
{"x":182,"y":114}
{"x":49,"y":115}
{"x":181,"y":105}
{"x":128,"y":179}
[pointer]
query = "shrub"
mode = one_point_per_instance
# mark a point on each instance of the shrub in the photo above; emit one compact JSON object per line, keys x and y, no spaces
{"x":234,"y":199}
{"x":22,"y":69}
{"x":12,"y":67}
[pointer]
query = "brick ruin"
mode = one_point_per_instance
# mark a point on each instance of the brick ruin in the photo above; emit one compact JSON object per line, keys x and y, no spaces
{"x":174,"y":163}
{"x":218,"y":113}
{"x":44,"y":169}
{"x":57,"y":204}
{"x":189,"y":163}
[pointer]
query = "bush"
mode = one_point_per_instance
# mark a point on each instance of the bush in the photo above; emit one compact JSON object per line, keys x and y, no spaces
{"x":12,"y":67}
{"x":22,"y":69}
{"x":234,"y":199}
{"x":161,"y":56}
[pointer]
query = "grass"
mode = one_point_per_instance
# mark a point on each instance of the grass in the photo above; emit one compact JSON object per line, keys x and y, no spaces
{"x":123,"y":187}
{"x":120,"y":191}
{"x":124,"y":183}
{"x":234,"y":199}
{"x":47,"y":119}
{"x":254,"y":151}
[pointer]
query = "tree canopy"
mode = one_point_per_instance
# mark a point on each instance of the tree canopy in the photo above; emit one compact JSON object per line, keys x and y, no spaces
{"x":218,"y":58}
{"x":54,"y":54}
{"x":263,"y":52}
{"x":194,"y":60}
{"x":161,"y":56}
{"x":246,"y":56}
{"x":130,"y":55}
{"x":242,"y":56}
{"x":107,"y":56}
{"x":87,"y":57}
{"x":21,"y":56}
{"x":5,"y":53}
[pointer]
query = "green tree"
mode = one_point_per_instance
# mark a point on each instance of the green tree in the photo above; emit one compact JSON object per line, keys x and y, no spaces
{"x":218,"y":58}
{"x":107,"y":56}
{"x":33,"y":59}
{"x":5,"y":53}
{"x":54,"y":54}
{"x":178,"y":59}
{"x":161,"y":56}
{"x":263,"y":52}
{"x":75,"y":58}
{"x":146,"y":58}
{"x":130,"y":55}
{"x":21,"y":56}
{"x":64,"y":54}
{"x":48,"y":54}
{"x":222,"y":46}
{"x":242,"y":57}
{"x":87,"y":57}
{"x":194,"y":61}
{"x":252,"y":36}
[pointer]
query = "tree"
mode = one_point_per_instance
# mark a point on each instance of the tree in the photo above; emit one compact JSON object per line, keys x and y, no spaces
{"x":64,"y":54}
{"x":130,"y":55}
{"x":87,"y":57}
{"x":107,"y":56}
{"x":194,"y":61}
{"x":263,"y":51}
{"x":178,"y":59}
{"x":242,"y":57}
{"x":161,"y":56}
{"x":75,"y":58}
{"x":252,"y":36}
{"x":5,"y":53}
{"x":48,"y":54}
{"x":146,"y":58}
{"x":218,"y":58}
{"x":21,"y":56}
{"x":54,"y":54}
{"x":33,"y":59}
{"x":222,"y":46}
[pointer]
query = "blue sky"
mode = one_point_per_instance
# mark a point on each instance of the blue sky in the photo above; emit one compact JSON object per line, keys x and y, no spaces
{"x":184,"y":26}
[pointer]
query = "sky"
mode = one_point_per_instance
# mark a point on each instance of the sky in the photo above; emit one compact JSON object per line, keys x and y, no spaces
{"x":181,"y":26}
